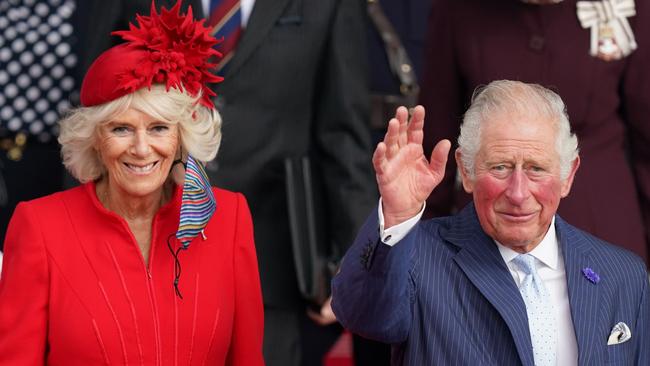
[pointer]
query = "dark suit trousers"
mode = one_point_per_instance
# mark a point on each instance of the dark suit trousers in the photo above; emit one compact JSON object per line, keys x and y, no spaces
{"x":292,"y":339}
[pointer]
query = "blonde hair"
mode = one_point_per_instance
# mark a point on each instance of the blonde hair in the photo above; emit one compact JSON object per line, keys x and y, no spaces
{"x":199,"y":127}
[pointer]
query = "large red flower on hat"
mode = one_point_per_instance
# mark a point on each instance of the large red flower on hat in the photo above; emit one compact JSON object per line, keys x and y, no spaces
{"x":178,"y":50}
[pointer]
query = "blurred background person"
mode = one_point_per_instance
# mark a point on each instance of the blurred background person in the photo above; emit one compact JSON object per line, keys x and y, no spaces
{"x":93,"y":274}
{"x":37,"y":62}
{"x":593,"y":53}
{"x":296,"y":85}
{"x":396,"y":40}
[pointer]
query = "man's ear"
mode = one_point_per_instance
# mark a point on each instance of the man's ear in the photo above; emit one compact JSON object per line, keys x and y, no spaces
{"x":468,"y":184}
{"x":568,"y":182}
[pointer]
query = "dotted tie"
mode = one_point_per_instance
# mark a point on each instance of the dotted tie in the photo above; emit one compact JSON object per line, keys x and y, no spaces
{"x":541,"y":318}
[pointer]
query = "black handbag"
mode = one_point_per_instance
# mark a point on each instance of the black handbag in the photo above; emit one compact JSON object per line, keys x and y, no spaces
{"x":307,"y":223}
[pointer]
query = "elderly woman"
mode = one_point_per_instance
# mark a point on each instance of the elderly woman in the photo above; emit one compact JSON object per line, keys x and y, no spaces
{"x":144,"y":263}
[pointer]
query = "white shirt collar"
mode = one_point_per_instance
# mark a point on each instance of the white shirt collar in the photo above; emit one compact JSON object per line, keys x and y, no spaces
{"x":546,"y":251}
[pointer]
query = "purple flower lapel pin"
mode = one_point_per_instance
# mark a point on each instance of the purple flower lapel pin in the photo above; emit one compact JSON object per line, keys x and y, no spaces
{"x":592,"y":276}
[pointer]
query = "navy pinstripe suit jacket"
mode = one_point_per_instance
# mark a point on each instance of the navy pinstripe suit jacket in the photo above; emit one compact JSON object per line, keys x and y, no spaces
{"x":444,"y":296}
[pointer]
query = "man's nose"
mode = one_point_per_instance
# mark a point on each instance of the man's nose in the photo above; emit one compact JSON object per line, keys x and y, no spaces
{"x":518,"y":190}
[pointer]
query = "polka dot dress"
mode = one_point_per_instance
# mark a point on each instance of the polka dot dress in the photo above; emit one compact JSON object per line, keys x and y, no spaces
{"x":541,"y":316}
{"x":36,"y":63}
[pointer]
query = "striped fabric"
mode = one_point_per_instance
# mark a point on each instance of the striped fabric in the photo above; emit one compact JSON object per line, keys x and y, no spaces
{"x":198,"y":203}
{"x":225,"y":20}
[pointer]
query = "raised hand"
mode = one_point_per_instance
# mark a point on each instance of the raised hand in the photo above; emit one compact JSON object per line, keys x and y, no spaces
{"x":404,"y":175}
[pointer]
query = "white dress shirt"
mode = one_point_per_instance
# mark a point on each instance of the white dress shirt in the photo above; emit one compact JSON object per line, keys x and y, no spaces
{"x":550,"y":268}
{"x":246,"y":9}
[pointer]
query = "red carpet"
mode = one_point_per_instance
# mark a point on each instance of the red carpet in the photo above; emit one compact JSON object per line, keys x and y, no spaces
{"x":341,"y":352}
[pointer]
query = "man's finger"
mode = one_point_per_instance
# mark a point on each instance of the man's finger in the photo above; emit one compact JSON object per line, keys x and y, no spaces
{"x":401,"y":114}
{"x":415,"y":128}
{"x":391,"y":138}
{"x":439,"y":157}
{"x":379,"y":158}
{"x":402,"y":117}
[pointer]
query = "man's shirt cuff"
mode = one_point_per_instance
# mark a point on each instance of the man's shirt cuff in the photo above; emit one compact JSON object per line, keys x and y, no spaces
{"x":394,"y":234}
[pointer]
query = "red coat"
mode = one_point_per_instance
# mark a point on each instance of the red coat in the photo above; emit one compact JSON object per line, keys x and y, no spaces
{"x":473,"y":42}
{"x":75,"y":289}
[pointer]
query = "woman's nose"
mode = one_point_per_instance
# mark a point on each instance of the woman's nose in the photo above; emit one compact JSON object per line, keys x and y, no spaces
{"x":141,"y":146}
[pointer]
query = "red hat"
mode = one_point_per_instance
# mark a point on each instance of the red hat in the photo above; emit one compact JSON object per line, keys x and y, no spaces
{"x":168,"y":48}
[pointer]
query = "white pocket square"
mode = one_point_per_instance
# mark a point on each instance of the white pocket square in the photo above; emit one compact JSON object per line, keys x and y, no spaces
{"x":620,"y":333}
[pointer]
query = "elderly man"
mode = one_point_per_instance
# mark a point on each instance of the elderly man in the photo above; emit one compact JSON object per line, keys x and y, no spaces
{"x":505,"y":281}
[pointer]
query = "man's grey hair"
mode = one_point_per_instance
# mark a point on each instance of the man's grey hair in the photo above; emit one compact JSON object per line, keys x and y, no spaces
{"x":503,"y":97}
{"x":199,"y":127}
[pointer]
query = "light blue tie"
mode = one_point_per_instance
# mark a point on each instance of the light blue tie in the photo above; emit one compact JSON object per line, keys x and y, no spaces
{"x":541,"y":316}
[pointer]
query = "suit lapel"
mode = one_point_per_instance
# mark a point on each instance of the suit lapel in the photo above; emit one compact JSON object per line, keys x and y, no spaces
{"x":264,"y":15}
{"x":584,"y":296}
{"x":480,"y":260}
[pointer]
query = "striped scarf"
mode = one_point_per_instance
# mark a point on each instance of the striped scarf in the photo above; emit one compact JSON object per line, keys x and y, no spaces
{"x":198,"y":203}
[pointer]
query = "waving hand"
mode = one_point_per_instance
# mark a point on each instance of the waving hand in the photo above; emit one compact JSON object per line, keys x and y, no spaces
{"x":404,"y":175}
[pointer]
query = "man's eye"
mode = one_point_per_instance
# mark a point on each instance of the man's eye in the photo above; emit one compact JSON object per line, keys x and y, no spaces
{"x":500,"y":170}
{"x":536,"y":169}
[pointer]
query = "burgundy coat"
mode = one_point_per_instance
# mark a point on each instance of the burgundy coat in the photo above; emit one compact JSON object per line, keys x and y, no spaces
{"x":472,"y":42}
